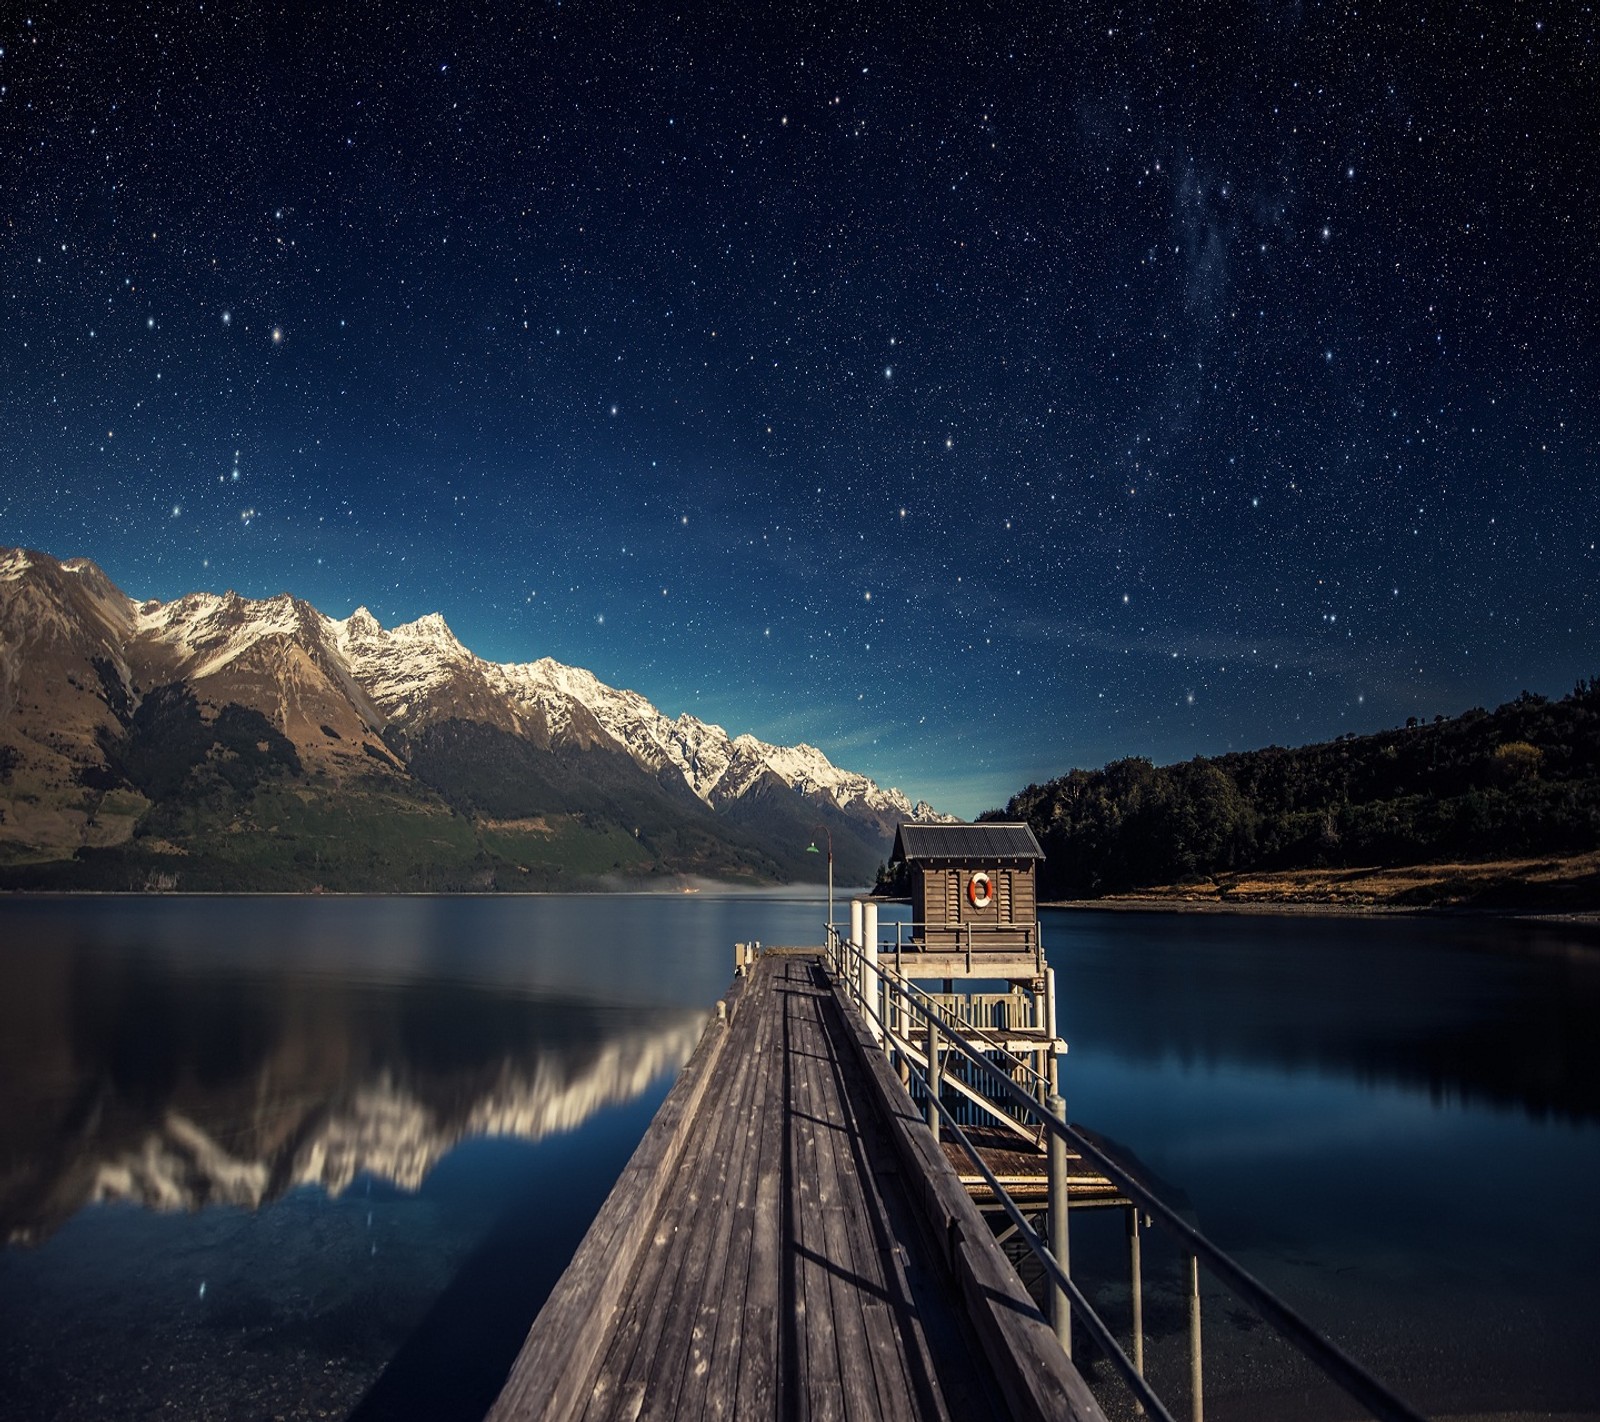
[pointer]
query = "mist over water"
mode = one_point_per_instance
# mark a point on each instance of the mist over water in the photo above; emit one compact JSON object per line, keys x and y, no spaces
{"x":323,"y":1158}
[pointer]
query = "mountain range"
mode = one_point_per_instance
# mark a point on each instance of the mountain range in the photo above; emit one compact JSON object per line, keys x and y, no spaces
{"x":217,"y":742}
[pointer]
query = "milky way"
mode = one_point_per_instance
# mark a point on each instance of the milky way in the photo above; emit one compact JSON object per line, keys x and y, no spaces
{"x":974,"y":392}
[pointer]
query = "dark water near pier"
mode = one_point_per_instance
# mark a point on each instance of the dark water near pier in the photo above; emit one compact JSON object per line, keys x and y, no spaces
{"x":316,"y":1158}
{"x":1394,"y":1123}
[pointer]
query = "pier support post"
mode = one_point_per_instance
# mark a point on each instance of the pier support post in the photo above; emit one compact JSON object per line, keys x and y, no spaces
{"x":1060,"y":1243}
{"x":935,"y":1078}
{"x":870,"y":995}
{"x":1136,"y":1290}
{"x":1197,"y":1400}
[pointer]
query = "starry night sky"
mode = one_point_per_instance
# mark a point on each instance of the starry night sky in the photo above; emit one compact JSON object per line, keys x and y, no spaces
{"x":973,"y":392}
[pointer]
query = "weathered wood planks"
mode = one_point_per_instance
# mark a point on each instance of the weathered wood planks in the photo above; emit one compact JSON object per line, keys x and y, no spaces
{"x":553,"y":1372}
{"x":761,"y":1255}
{"x":1037,"y":1378}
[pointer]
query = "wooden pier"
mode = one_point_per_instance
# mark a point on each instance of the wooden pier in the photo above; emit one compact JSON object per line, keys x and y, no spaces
{"x":816,"y":1222}
{"x":790,"y":1241}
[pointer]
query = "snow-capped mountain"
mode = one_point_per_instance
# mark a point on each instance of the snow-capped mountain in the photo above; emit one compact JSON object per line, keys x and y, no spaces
{"x":405,"y":670}
{"x":419,"y":671}
{"x":508,"y":743}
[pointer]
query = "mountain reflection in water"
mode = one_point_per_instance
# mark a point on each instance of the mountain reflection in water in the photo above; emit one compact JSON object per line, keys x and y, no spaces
{"x":371,"y":1132}
{"x":176,"y":1092}
{"x":386,"y":1107}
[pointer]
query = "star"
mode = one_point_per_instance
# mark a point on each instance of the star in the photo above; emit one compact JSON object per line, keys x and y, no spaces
{"x":1115,"y":303}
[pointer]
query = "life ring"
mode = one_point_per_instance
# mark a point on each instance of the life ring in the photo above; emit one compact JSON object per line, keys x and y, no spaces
{"x":980,"y":892}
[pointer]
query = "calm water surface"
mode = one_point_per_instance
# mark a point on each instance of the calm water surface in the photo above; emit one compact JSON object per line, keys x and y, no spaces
{"x":1394,"y":1123}
{"x":292,"y":1157}
{"x":323,"y":1158}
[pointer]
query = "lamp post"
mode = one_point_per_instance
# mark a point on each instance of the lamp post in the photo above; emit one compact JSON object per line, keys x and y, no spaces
{"x":812,"y":849}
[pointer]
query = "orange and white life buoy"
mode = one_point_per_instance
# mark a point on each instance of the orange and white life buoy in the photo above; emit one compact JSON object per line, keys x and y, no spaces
{"x":980,"y":892}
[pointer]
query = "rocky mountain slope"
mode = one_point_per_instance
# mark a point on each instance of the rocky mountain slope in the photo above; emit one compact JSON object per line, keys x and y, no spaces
{"x":219,"y":742}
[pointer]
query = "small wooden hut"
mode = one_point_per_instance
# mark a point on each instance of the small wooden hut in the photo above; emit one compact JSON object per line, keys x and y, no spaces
{"x":974,"y":888}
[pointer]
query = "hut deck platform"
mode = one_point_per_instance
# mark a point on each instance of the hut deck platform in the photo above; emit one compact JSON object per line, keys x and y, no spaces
{"x":1024,"y":1171}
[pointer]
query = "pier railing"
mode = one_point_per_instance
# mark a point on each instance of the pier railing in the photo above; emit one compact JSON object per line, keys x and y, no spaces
{"x":958,"y":1065}
{"x":974,"y":943}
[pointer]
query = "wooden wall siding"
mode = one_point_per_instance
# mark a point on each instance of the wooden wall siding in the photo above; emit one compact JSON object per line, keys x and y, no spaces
{"x":1024,"y":897}
{"x":940,"y":906}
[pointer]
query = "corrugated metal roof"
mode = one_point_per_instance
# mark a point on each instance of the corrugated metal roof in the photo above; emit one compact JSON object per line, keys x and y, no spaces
{"x":973,"y":843}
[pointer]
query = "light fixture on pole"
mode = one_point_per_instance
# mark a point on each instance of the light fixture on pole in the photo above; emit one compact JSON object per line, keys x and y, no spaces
{"x":812,"y":849}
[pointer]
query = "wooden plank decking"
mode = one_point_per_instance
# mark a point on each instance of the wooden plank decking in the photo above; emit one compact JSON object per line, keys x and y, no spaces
{"x":784,"y":1245}
{"x":1025,"y":1172}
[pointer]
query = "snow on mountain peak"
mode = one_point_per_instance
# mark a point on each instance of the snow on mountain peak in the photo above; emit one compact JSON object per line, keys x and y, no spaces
{"x":717,"y":767}
{"x":420,"y":670}
{"x":209,"y":631}
{"x":430,"y":629}
{"x":405,"y":668}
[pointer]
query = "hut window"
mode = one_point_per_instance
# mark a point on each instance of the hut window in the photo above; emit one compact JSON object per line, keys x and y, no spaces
{"x":1004,"y":894}
{"x":952,"y":896}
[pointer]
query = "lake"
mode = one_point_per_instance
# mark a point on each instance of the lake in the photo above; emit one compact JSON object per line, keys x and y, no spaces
{"x":324,"y":1157}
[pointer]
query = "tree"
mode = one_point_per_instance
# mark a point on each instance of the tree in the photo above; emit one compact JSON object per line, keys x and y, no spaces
{"x":1517,"y":761}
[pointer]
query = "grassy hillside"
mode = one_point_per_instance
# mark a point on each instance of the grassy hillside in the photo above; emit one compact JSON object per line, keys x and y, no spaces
{"x":223,"y":803}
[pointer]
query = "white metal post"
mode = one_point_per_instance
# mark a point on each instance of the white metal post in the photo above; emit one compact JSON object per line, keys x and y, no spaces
{"x":1054,"y":1064}
{"x":1136,"y":1285}
{"x":852,"y":972}
{"x":869,"y":966}
{"x":1197,"y":1392}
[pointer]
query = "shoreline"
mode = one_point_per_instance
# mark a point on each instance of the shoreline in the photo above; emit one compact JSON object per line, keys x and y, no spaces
{"x":808,"y":893}
{"x":1551,"y":889}
{"x":1137,"y":903}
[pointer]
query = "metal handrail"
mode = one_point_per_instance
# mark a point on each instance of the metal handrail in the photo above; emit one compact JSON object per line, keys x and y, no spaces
{"x":931,"y":1008}
{"x":1082,"y":1309}
{"x":1335,"y":1363}
{"x":971,"y":932}
{"x":1027,"y":930}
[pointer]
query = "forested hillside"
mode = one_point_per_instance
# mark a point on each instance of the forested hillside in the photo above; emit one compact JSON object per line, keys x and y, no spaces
{"x":1521,"y":780}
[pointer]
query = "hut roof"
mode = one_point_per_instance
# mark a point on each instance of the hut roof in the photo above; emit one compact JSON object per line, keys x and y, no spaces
{"x":964,"y":843}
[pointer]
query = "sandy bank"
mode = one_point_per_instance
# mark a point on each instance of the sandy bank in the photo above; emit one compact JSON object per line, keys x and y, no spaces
{"x":1562,"y":889}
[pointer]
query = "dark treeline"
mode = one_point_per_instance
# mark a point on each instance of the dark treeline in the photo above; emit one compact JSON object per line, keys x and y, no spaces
{"x":1521,"y":780}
